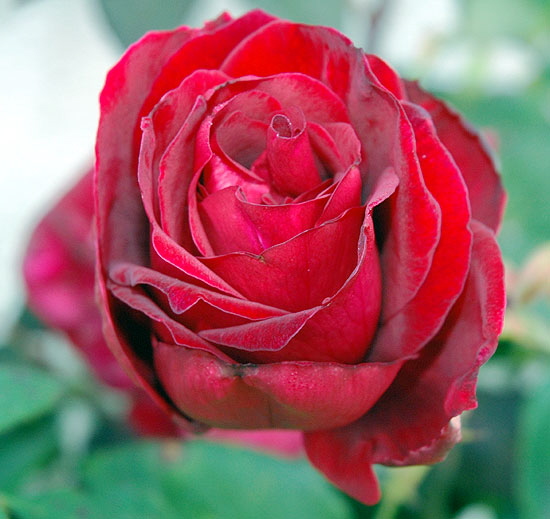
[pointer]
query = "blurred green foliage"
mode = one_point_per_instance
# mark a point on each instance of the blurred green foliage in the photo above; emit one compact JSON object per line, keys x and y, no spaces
{"x":130,"y":19}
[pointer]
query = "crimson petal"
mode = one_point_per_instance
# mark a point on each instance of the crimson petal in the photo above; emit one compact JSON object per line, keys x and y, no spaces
{"x":299,"y":273}
{"x":470,"y":153}
{"x":418,"y":321}
{"x":410,"y":423}
{"x":301,"y":395}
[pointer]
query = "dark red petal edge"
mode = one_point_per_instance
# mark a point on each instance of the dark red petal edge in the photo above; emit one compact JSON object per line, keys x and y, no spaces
{"x":410,"y":423}
{"x":471,"y":154}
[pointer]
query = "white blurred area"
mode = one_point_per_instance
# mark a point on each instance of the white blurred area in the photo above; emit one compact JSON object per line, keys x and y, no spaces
{"x":53,"y":58}
{"x":54,"y":55}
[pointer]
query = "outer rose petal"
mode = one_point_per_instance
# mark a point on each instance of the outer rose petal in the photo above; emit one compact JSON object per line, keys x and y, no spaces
{"x":472,"y":156}
{"x":410,"y":422}
{"x":299,"y":395}
{"x":420,"y":319}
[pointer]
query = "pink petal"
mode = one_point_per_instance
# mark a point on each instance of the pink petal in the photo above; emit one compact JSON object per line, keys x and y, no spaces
{"x":279,"y":442}
{"x":59,"y":273}
{"x":299,"y":395}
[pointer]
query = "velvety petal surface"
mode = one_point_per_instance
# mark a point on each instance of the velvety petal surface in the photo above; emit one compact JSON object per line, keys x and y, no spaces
{"x":471,"y":155}
{"x":420,"y":319}
{"x":410,"y":422}
{"x":409,"y":223}
{"x":300,"y":395}
{"x":299,"y":273}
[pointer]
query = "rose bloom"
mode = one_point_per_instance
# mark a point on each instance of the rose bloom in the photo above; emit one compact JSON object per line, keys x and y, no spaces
{"x":290,"y":236}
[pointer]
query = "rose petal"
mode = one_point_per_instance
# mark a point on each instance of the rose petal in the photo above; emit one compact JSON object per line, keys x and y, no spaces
{"x":419,"y":320}
{"x":228,"y":228}
{"x":184,"y":263}
{"x":386,"y":76}
{"x":336,"y":145}
{"x":290,"y":159}
{"x":346,"y":194}
{"x":324,"y":338}
{"x":318,"y":52}
{"x":408,"y":224}
{"x":174,"y":123}
{"x":206,"y":50}
{"x":234,"y":225}
{"x":271,"y":334}
{"x":471,"y":154}
{"x":299,"y":273}
{"x":181,"y":295}
{"x":300,"y":395}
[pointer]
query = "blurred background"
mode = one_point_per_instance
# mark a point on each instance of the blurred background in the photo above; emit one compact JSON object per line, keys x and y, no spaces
{"x":488,"y":58}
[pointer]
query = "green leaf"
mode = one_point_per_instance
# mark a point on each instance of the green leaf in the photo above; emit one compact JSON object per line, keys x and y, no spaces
{"x":3,"y":508}
{"x":26,"y":448}
{"x":534,"y":455}
{"x":59,"y":504}
{"x":266,"y":486}
{"x":25,"y":394}
{"x":131,"y":19}
{"x":206,"y":480}
{"x":126,"y":482}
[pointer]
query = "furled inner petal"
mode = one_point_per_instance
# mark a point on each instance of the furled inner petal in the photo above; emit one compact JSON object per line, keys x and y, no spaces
{"x":336,"y":145}
{"x":290,"y":159}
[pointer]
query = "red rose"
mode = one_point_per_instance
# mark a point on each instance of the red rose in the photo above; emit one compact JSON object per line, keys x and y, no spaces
{"x":291,"y":236}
